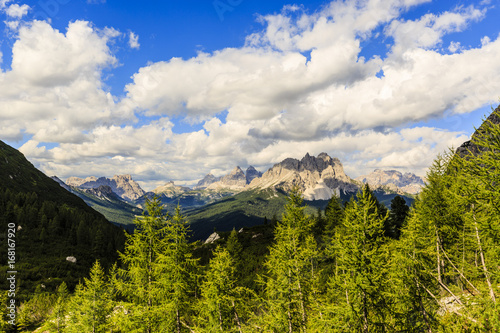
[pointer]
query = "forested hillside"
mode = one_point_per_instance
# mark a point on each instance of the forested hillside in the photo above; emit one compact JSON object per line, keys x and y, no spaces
{"x":50,"y":225}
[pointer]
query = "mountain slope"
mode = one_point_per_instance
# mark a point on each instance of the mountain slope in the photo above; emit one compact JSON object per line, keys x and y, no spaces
{"x":51,"y":224}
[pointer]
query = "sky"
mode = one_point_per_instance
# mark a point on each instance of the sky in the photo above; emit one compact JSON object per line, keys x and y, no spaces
{"x":173,"y":90}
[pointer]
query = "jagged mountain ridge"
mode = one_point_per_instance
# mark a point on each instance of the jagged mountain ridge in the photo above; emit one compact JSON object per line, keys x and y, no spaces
{"x":123,"y":185}
{"x":318,"y":177}
{"x":393,"y":180}
{"x":235,"y":180}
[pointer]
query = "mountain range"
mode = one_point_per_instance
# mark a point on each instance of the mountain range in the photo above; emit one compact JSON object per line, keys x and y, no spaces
{"x":318,"y":177}
{"x":245,"y":196}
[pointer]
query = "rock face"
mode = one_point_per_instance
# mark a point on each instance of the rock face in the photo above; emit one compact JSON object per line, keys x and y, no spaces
{"x":467,"y":146}
{"x":251,"y":174}
{"x":171,"y":190}
{"x":393,"y":180}
{"x":102,"y":192}
{"x":318,"y":177}
{"x":236,"y":179}
{"x":206,"y":181}
{"x":123,"y":185}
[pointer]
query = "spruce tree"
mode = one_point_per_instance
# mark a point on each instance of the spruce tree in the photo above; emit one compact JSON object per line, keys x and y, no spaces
{"x":334,"y":214}
{"x":397,"y":216}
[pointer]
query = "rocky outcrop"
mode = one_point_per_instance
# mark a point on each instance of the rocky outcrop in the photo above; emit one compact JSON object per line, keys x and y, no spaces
{"x":394,"y":181}
{"x":206,"y":181}
{"x":123,"y":185}
{"x":235,"y":180}
{"x":318,"y":177}
{"x":469,"y":146}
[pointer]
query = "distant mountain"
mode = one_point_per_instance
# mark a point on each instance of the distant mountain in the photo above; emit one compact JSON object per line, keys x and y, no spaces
{"x":123,"y":185}
{"x":206,"y":181}
{"x":318,"y":177}
{"x":51,"y":224}
{"x":251,"y":174}
{"x":236,"y":180}
{"x":394,"y":181}
{"x":171,"y":190}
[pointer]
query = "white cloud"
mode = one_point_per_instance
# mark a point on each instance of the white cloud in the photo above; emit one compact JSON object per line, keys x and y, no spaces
{"x":299,"y":85}
{"x":3,"y":3}
{"x":133,"y":41}
{"x":17,"y":11}
{"x":54,"y":90}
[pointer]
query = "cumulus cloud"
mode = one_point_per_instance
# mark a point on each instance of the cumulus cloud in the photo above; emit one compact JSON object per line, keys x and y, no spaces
{"x":298,"y":85}
{"x":133,"y":41}
{"x":54,"y":90}
{"x":3,"y":3}
{"x":16,"y":11}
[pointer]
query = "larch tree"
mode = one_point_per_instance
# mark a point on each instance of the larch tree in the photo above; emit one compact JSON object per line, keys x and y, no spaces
{"x":139,"y":281}
{"x":219,"y":307}
{"x":291,"y":270}
{"x":178,"y":281}
{"x":358,"y":290}
{"x":91,"y":305}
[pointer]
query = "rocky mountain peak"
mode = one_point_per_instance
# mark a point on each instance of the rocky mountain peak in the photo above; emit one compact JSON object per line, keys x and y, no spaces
{"x":237,"y":172}
{"x":319,"y":177}
{"x":206,"y":181}
{"x":122,"y":185}
{"x":251,"y":173}
{"x":393,"y":180}
{"x":126,"y":177}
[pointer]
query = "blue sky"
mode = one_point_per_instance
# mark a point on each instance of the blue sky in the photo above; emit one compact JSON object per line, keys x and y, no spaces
{"x":172,"y":90}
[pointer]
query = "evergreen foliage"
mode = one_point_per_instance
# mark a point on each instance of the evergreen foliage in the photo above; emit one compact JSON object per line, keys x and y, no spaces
{"x":359,"y":288}
{"x":291,"y":270}
{"x":91,"y":305}
{"x":397,"y":216}
{"x":357,"y":268}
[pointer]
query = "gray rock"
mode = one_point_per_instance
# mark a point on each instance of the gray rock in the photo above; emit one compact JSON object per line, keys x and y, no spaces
{"x":212,"y":238}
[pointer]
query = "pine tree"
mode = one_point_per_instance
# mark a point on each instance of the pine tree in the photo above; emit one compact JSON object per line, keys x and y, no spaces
{"x":291,"y":267}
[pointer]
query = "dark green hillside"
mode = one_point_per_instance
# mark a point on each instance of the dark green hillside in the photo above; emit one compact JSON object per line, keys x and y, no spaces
{"x":245,"y":209}
{"x":251,"y":208}
{"x":51,"y":224}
